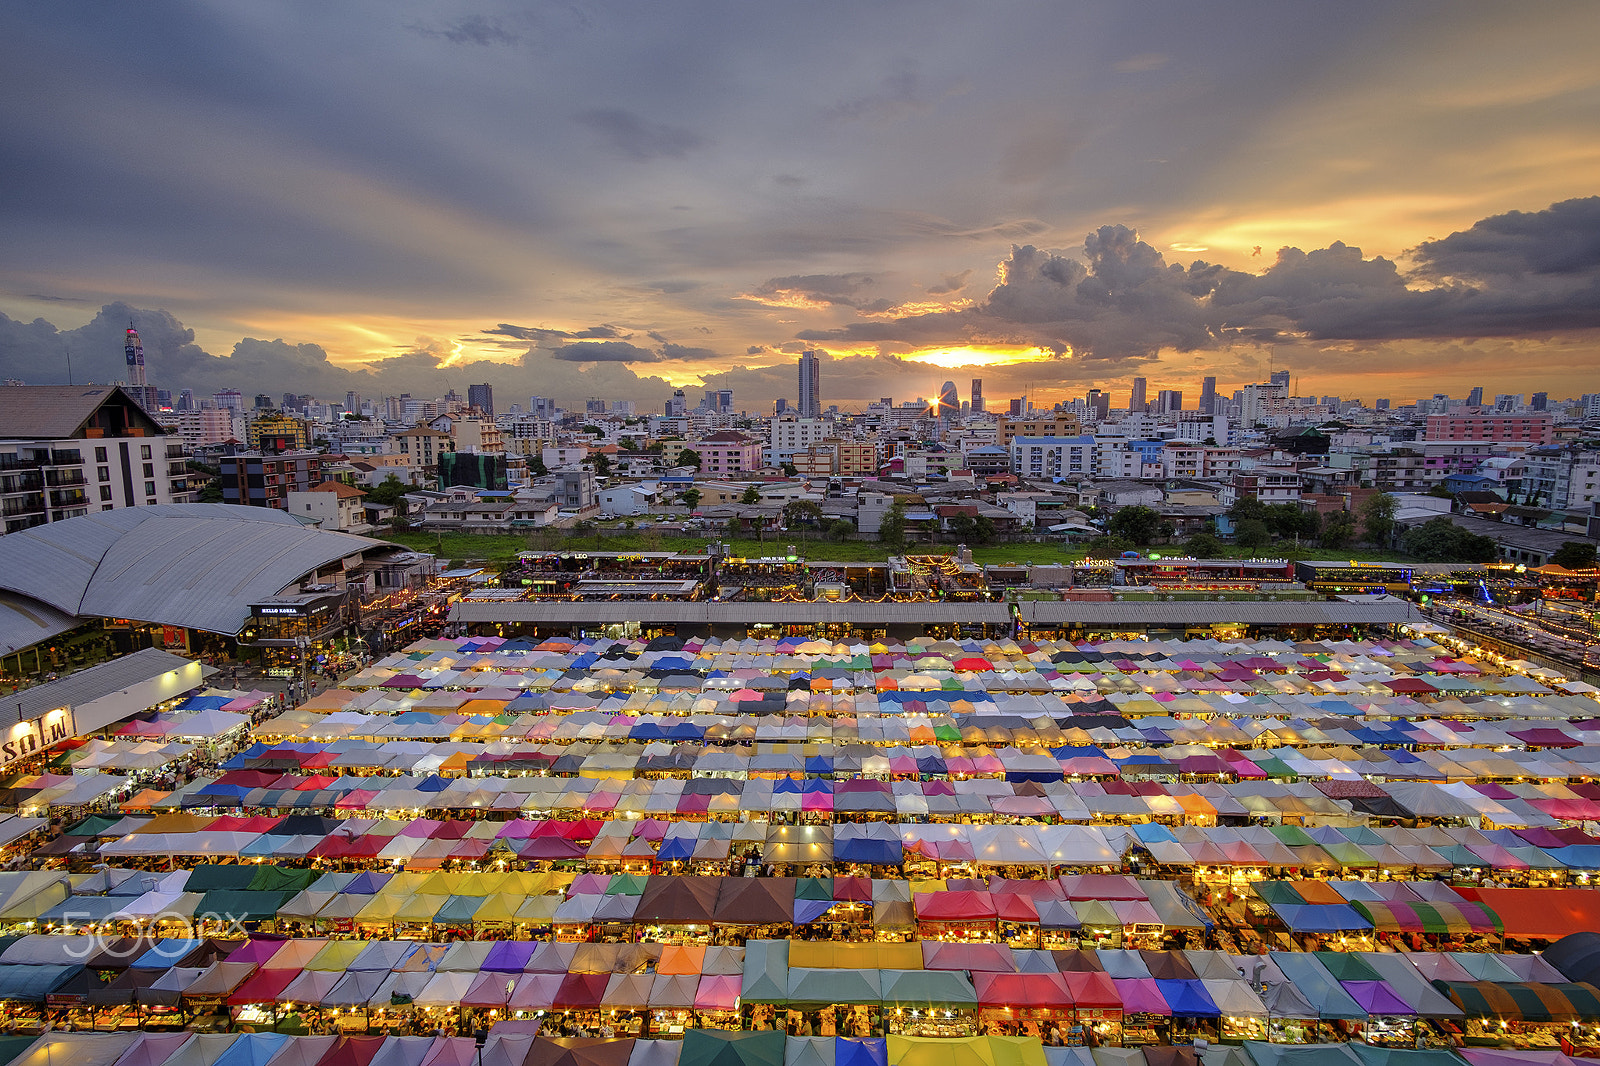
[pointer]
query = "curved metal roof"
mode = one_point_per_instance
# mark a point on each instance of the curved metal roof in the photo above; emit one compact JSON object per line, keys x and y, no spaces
{"x":193,"y":565}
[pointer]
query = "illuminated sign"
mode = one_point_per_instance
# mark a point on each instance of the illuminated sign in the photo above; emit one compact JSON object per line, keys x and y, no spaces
{"x":26,"y":738}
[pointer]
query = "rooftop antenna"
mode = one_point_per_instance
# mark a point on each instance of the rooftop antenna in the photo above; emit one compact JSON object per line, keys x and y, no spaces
{"x":69,"y":364}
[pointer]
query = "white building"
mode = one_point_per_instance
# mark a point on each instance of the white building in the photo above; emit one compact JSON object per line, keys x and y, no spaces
{"x":68,"y":450}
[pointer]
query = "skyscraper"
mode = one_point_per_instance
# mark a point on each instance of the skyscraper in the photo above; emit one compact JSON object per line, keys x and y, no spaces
{"x":977,"y":397}
{"x":1169,"y":401}
{"x":1208,"y":396}
{"x":1280,"y":377}
{"x":1540,"y":401}
{"x":1475,"y":397}
{"x":481,"y":397}
{"x":138,"y":387}
{"x":949,"y":401}
{"x":1136,"y":401}
{"x":810,"y":400}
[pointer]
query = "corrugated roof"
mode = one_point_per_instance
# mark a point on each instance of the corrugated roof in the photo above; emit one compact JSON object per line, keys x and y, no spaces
{"x":193,"y":565}
{"x":96,"y":681}
{"x":547,"y":612}
{"x":58,"y":412}
{"x":1383,"y":611}
{"x":25,"y":622}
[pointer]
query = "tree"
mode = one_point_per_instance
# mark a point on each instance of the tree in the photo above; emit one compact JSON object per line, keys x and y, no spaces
{"x":752,"y":495}
{"x":963,"y":526}
{"x":691,"y":497}
{"x":1252,"y":533}
{"x":391,"y":492}
{"x":211,"y":492}
{"x":1574,"y":555}
{"x":1246,"y":507}
{"x":1290,"y":520}
{"x":802,"y":513}
{"x":1440,"y":540}
{"x":1138,"y":523}
{"x":591,"y":428}
{"x":1338,"y":529}
{"x":1377,"y":519}
{"x":984,"y":529}
{"x":689,"y":457}
{"x":602,"y":464}
{"x":892,"y":530}
{"x":842,"y":529}
{"x":1204,"y":546}
{"x":790,"y":470}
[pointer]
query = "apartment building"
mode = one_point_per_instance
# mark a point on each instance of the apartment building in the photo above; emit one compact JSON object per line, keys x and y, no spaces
{"x":68,"y":450}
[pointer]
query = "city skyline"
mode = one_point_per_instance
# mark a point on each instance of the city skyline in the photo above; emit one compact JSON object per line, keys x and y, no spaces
{"x":1381,"y":201}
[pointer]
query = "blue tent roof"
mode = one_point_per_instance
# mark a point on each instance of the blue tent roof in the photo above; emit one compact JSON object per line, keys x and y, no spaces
{"x":1188,"y":999}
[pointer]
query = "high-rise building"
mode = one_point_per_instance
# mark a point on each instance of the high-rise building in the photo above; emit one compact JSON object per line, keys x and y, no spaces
{"x":810,"y":400}
{"x":138,"y":387}
{"x":542,"y":406}
{"x":977,"y":397}
{"x":1540,"y":401}
{"x":724,"y":401}
{"x":1208,"y":396}
{"x":1382,"y":405}
{"x":1136,"y":400}
{"x":1281,"y":378}
{"x":186,"y":400}
{"x":1018,"y":406}
{"x":232,"y":399}
{"x":949,"y":402}
{"x":1475,"y":397}
{"x":481,"y":397}
{"x":592,"y":406}
{"x":1099,"y":404}
{"x":1169,"y":401}
{"x":781,"y":406}
{"x":678,"y":406}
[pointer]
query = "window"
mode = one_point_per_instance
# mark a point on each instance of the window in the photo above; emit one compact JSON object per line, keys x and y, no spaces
{"x":149,"y":470}
{"x":149,"y":488}
{"x":104,"y":473}
{"x":105,"y":492}
{"x":144,"y":452}
{"x":99,"y":455}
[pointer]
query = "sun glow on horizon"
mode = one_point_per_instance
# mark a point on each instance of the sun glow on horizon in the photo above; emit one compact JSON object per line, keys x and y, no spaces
{"x":989,"y":355}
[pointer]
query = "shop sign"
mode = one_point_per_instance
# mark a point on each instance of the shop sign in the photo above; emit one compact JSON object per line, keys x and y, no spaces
{"x":34,"y":735}
{"x":174,"y":637}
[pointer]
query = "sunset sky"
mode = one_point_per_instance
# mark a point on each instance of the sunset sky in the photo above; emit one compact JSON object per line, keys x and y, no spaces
{"x":615,"y":198}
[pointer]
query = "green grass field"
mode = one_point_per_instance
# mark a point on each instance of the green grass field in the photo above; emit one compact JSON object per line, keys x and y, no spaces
{"x":498,"y":551}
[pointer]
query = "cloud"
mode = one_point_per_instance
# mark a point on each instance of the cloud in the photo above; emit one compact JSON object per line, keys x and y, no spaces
{"x":1519,"y":274}
{"x":544,"y":334}
{"x":471,"y":29}
{"x":1562,"y":239}
{"x":634,"y":137}
{"x":951,"y":283}
{"x":605,"y":352}
{"x":820,"y":290}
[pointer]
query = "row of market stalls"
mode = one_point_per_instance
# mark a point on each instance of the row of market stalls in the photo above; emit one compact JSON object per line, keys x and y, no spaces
{"x":507,"y":1044}
{"x":1112,"y":997}
{"x":661,"y":845}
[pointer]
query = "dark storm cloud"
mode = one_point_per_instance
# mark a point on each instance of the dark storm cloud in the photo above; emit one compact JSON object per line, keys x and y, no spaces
{"x":845,"y":290}
{"x":1562,"y":239}
{"x":637,"y":138}
{"x":543,"y":334}
{"x":1519,"y":274}
{"x":605,"y":352}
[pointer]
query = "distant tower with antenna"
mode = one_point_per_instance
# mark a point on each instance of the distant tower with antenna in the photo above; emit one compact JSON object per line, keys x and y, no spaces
{"x":138,"y":387}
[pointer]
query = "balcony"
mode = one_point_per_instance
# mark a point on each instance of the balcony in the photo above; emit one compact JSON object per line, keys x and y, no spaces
{"x":69,"y":457}
{"x":64,"y":479}
{"x":177,"y":451}
{"x":18,"y":462}
{"x":68,"y":498}
{"x":30,"y":504}
{"x":177,"y":469}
